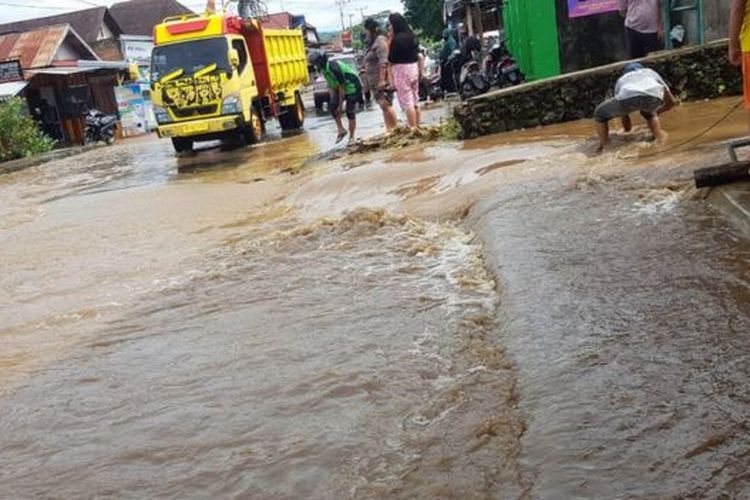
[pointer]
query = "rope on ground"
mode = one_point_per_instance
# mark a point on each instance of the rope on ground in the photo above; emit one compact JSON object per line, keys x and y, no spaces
{"x":685,"y":143}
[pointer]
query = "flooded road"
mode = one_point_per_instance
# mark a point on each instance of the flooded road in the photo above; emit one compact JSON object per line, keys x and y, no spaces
{"x":504,"y":318}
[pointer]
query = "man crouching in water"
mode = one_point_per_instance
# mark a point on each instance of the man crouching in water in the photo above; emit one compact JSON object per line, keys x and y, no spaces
{"x":638,"y":89}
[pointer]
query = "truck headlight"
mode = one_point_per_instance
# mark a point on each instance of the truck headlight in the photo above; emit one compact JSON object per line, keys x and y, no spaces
{"x":231,"y":105}
{"x":162,"y":116}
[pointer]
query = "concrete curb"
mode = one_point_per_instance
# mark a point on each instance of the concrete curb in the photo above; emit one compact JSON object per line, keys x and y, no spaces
{"x":734,"y":201}
{"x":34,"y":161}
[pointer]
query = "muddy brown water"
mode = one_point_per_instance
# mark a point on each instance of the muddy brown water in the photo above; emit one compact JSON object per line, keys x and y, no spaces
{"x":505,"y":318}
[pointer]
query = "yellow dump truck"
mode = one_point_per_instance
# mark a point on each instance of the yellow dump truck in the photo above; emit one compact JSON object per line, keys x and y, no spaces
{"x":220,"y":77}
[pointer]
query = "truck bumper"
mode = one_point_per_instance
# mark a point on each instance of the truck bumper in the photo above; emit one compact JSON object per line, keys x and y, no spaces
{"x":208,"y":126}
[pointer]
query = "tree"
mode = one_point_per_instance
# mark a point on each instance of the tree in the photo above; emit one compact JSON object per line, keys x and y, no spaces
{"x":19,"y":135}
{"x":426,"y":16}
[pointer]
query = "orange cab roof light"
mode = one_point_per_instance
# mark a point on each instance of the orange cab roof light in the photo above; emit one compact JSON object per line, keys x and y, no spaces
{"x":187,"y":27}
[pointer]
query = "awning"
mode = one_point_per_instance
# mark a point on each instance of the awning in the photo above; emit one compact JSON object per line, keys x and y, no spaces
{"x":62,"y":70}
{"x":11,"y":89}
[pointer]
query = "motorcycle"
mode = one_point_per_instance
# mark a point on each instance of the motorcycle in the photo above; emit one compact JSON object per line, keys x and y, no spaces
{"x":99,"y":127}
{"x":502,"y":69}
{"x":430,"y":88}
{"x":473,"y":82}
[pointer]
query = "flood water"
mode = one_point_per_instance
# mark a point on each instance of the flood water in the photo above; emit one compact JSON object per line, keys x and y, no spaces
{"x":510,"y":317}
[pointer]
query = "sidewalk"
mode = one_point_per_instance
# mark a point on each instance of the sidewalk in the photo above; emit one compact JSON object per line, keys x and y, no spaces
{"x":33,"y":161}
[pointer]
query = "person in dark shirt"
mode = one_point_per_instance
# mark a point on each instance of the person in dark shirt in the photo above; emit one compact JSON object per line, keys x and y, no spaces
{"x":471,"y":48}
{"x":406,"y":67}
{"x":446,"y":73}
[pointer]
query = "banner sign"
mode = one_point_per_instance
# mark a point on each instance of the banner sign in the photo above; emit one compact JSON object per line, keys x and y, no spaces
{"x":10,"y":71}
{"x":582,"y":8}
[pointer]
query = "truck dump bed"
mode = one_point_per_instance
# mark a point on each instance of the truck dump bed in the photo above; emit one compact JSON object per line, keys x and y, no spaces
{"x":279,"y":59}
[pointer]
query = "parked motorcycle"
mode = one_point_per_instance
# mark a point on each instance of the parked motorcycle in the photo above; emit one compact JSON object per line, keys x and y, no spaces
{"x":473,"y":82}
{"x":502,"y":69}
{"x":99,"y":127}
{"x":430,"y":88}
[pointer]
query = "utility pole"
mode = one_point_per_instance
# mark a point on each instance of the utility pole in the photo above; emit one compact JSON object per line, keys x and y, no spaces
{"x":351,"y":22}
{"x":341,"y":4}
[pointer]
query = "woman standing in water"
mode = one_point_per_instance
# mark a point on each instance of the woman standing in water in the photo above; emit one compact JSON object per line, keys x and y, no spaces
{"x":406,"y":70}
{"x":376,"y":71}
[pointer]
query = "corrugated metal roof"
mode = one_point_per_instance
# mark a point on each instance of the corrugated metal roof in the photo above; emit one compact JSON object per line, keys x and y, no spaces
{"x":138,"y":17}
{"x":34,"y":48}
{"x":87,"y":23}
{"x":37,"y":48}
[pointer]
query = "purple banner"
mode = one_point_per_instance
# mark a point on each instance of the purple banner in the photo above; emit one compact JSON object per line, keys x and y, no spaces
{"x":581,"y":8}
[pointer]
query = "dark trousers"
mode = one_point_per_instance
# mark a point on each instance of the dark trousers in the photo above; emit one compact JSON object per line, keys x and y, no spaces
{"x":641,"y":44}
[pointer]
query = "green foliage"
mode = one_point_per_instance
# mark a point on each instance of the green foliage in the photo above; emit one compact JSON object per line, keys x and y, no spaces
{"x":426,"y":16}
{"x":19,"y":135}
{"x":450,"y":130}
{"x":357,"y":35}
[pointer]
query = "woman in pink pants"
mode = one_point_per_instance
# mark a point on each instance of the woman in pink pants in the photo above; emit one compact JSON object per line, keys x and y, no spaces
{"x":405,"y":68}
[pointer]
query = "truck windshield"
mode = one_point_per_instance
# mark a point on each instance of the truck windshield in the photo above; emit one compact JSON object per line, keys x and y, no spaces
{"x":190,"y":57}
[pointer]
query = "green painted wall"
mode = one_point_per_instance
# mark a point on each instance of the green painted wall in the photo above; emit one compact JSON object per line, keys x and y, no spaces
{"x":531,"y":31}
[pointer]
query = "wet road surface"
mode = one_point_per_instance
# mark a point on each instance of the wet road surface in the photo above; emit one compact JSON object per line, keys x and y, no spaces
{"x":505,"y":318}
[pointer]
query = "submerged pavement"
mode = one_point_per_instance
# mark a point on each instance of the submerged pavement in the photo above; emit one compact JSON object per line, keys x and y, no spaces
{"x":503,"y":318}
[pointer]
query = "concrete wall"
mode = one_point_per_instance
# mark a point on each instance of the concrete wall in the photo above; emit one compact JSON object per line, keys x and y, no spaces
{"x":694,"y":73}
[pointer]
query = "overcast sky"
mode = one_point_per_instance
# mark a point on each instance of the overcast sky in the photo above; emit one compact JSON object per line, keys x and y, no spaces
{"x":322,"y":13}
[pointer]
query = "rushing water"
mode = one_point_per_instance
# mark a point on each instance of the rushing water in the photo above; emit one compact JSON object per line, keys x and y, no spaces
{"x":244,"y":324}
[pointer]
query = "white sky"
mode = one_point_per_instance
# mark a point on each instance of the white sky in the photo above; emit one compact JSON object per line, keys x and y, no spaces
{"x":322,"y":13}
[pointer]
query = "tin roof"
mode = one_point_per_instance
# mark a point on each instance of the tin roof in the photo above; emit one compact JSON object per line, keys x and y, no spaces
{"x":138,"y":17}
{"x":39,"y":48}
{"x":87,"y":23}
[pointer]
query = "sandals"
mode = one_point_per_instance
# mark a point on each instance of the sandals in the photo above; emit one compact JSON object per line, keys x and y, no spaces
{"x":341,"y":136}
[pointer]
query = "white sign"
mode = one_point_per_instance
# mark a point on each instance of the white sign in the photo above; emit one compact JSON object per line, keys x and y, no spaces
{"x":137,"y":51}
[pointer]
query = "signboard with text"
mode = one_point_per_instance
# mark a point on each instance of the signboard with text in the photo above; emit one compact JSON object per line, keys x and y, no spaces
{"x":10,"y":71}
{"x":582,"y":8}
{"x":137,"y":51}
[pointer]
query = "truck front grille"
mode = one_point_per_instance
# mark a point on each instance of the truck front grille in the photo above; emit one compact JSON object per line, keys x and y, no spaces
{"x":194,"y":112}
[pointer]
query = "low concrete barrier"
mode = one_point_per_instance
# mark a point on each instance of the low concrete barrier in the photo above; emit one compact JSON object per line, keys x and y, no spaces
{"x":694,"y":73}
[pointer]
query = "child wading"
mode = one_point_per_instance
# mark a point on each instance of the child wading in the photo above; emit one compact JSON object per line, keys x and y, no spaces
{"x":638,"y":90}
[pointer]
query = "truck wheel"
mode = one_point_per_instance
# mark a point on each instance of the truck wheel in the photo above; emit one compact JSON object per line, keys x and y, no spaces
{"x":182,"y":144}
{"x":293,"y":117}
{"x":254,"y":131}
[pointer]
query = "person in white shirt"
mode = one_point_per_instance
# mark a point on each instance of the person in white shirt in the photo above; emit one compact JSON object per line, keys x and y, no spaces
{"x":638,"y":90}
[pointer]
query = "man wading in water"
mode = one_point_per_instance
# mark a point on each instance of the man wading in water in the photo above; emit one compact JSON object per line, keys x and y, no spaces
{"x":346,"y":91}
{"x":638,"y":90}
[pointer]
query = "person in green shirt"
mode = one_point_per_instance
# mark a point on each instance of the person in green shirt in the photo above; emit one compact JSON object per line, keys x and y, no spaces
{"x":346,"y":91}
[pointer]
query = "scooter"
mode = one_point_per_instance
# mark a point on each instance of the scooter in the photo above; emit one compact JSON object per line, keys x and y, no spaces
{"x":99,"y":127}
{"x":502,"y":68}
{"x":473,"y":82}
{"x":430,"y":88}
